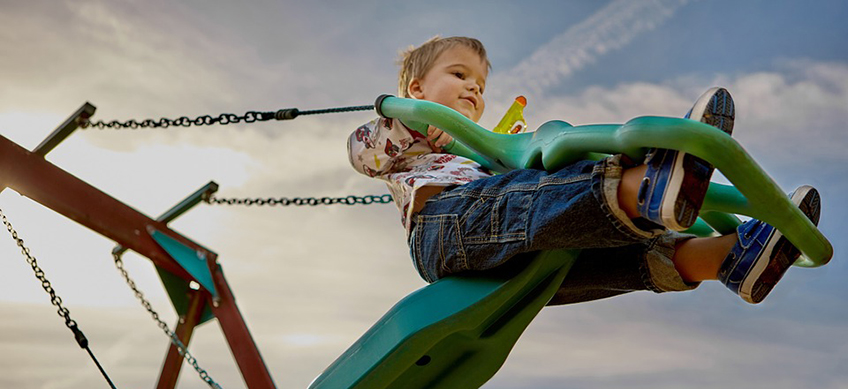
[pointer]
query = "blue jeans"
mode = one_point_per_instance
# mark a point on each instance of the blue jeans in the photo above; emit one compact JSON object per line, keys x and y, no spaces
{"x":481,"y":225}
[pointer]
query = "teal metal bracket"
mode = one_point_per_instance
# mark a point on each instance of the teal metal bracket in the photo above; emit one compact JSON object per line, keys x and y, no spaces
{"x":193,"y":262}
{"x":178,"y":290}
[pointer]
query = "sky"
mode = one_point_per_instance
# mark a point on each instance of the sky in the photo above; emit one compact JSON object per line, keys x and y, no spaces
{"x":310,"y":281}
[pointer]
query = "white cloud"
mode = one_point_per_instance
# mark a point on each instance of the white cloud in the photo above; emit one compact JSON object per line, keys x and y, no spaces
{"x":806,"y":100}
{"x":799,"y":109}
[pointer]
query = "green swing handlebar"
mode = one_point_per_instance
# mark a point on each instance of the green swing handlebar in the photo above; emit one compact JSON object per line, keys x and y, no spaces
{"x":556,"y":144}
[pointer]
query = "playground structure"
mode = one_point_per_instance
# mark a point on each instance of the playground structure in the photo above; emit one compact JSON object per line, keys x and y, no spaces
{"x":432,"y":337}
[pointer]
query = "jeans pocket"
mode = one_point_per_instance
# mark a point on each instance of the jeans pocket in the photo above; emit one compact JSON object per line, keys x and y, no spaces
{"x":438,"y":246}
{"x":498,"y":219}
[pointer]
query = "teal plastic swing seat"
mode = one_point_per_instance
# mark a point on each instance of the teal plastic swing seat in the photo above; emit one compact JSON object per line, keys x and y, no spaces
{"x":458,"y":331}
{"x":454,"y":333}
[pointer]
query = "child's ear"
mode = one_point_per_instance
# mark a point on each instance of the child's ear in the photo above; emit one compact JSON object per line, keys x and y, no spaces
{"x":414,"y":89}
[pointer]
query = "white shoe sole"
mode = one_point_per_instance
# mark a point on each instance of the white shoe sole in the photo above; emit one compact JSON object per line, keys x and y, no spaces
{"x":667,"y":212}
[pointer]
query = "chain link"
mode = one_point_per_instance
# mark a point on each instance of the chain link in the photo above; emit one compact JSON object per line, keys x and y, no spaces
{"x":71,"y":324}
{"x":119,"y":263}
{"x":311,"y":201}
{"x":224,"y":118}
{"x":184,"y":121}
{"x":54,"y":298}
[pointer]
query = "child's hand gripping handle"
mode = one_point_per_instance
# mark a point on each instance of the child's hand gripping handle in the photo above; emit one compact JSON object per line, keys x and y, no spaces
{"x":420,"y":127}
{"x":470,"y":140}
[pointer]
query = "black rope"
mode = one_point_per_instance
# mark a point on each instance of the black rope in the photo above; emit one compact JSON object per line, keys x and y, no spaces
{"x":338,"y":110}
{"x":101,"y":368}
{"x":83,"y":342}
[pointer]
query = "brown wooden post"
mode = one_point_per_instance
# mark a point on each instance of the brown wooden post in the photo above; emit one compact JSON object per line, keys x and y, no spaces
{"x":253,"y":368}
{"x":185,"y":327}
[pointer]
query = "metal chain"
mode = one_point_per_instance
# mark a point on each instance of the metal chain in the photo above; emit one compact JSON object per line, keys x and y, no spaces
{"x":311,"y":201}
{"x":119,"y":263}
{"x":54,"y":298}
{"x":224,"y":118}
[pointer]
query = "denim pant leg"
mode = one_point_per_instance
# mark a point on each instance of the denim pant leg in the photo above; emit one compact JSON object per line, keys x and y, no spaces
{"x":607,"y":272}
{"x":480,"y":225}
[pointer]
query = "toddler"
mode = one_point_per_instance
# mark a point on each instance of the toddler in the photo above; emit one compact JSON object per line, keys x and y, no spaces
{"x":623,"y":216}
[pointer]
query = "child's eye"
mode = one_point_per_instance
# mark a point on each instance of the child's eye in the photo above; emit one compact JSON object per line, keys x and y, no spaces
{"x":459,"y":75}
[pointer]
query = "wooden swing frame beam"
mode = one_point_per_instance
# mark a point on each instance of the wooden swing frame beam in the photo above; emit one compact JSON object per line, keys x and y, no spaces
{"x":31,"y":175}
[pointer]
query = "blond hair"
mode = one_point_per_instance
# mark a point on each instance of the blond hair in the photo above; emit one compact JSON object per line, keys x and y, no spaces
{"x":415,"y":62}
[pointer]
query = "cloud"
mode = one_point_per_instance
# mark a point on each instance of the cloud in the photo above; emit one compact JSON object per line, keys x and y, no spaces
{"x":799,"y":99}
{"x":134,"y":61}
{"x":804,"y":99}
{"x":637,"y":341}
{"x":101,"y":51}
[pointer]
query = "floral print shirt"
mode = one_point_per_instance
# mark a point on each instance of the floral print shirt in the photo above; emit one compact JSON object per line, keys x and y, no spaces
{"x":388,"y":150}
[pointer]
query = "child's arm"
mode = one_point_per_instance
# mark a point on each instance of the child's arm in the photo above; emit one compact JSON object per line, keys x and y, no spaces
{"x":376,"y":148}
{"x":512,"y":123}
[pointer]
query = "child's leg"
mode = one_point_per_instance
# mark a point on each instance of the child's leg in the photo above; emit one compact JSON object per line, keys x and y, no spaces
{"x":628,"y":190}
{"x":762,"y":254}
{"x":608,"y":272}
{"x":612,"y":271}
{"x":699,"y":259}
{"x":675,"y":183}
{"x":670,"y":188}
{"x":695,"y":259}
{"x":751,"y":261}
{"x":482,"y":224}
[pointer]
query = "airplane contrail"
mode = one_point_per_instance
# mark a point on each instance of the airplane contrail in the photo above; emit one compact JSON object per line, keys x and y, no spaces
{"x":609,"y":29}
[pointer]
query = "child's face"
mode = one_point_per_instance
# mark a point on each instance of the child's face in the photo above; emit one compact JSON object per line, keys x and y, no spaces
{"x":456,"y":80}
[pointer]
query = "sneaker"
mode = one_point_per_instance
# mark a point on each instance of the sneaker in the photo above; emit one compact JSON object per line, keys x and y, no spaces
{"x":762,"y":254}
{"x":675,"y":183}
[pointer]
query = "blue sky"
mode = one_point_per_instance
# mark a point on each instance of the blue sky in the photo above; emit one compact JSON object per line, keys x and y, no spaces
{"x":310,"y":281}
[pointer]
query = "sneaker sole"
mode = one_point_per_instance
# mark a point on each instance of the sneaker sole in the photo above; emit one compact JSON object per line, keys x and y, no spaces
{"x":766,"y":272}
{"x":715,"y":107}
